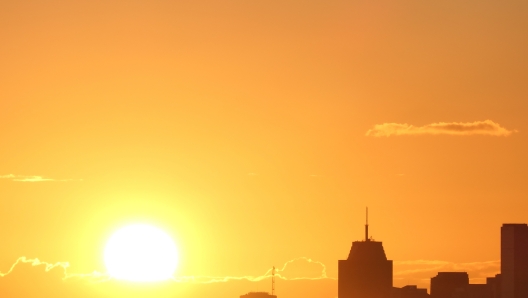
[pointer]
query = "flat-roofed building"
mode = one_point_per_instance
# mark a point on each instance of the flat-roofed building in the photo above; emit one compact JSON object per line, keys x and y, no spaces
{"x":449,"y":285}
{"x":410,"y":291}
{"x":494,"y":286}
{"x":514,"y":261}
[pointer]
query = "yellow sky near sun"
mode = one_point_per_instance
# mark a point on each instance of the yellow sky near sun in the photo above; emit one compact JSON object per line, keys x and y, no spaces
{"x":240,"y":128}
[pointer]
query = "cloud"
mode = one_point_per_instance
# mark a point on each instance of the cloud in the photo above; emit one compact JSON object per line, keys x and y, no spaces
{"x":56,"y":267}
{"x":23,"y":178}
{"x":486,"y":127}
{"x":297,"y":277}
{"x":301,"y":268}
{"x":36,"y":262}
{"x":35,"y":278}
{"x":419,"y":272}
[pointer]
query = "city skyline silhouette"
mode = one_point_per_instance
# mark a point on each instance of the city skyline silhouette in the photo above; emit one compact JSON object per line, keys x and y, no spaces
{"x":368,"y":273}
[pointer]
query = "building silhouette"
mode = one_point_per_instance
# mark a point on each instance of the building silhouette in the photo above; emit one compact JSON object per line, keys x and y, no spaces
{"x":514,"y":261}
{"x":258,"y":295}
{"x":409,"y":292}
{"x":366,"y":273}
{"x":264,"y":294}
{"x":494,"y":286}
{"x":478,"y":291}
{"x":450,"y":285}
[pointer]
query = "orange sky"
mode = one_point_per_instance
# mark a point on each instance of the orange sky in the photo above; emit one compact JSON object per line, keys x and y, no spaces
{"x":240,"y":128}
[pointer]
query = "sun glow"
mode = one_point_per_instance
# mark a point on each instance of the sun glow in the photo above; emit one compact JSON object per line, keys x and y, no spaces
{"x":140,"y":253}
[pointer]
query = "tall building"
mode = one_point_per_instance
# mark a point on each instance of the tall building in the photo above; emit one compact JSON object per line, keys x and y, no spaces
{"x":449,"y":285}
{"x":366,"y":273}
{"x":514,"y":261}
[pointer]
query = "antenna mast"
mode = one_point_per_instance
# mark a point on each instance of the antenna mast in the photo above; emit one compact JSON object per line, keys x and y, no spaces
{"x":273,"y":281}
{"x":366,"y":228}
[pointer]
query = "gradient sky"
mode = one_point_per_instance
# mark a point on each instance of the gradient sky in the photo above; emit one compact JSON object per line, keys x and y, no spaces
{"x":256,"y":132}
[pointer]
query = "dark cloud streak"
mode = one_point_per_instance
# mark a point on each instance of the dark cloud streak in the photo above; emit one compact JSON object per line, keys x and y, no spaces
{"x":486,"y":127}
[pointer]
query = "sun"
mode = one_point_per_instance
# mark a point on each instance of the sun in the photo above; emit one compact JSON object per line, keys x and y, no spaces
{"x":140,"y":253}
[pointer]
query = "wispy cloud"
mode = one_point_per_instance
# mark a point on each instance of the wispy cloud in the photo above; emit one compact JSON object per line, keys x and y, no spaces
{"x":486,"y":127}
{"x":318,"y":272}
{"x":47,"y":279}
{"x":420,"y":271}
{"x":301,"y":268}
{"x":36,"y":262}
{"x":60,"y":269}
{"x":437,"y":266}
{"x":24,"y":178}
{"x":35,"y":278}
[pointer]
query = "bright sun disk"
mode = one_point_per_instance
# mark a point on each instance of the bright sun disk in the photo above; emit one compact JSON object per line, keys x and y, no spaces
{"x":140,"y":253}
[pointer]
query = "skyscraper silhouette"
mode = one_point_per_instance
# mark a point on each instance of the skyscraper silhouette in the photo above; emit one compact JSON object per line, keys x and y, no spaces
{"x":514,"y":261}
{"x":449,"y":285}
{"x":366,"y":273}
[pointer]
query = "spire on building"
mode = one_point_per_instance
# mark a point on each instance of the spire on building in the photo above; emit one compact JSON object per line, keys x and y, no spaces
{"x":366,"y":228}
{"x":366,"y":272}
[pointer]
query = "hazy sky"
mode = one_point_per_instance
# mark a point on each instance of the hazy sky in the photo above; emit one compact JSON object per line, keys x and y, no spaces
{"x":256,"y":132}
